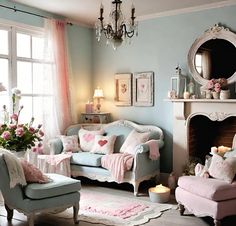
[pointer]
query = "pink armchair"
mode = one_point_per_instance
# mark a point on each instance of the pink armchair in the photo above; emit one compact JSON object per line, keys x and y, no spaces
{"x":208,"y":196}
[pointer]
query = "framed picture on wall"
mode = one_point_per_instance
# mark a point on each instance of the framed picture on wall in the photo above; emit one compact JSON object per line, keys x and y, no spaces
{"x":143,"y":89}
{"x":123,"y":89}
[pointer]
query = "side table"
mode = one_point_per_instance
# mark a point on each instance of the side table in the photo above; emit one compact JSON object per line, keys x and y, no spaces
{"x":55,"y":164}
{"x":102,"y":117}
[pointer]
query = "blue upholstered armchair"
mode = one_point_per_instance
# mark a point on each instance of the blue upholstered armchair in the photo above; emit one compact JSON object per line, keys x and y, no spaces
{"x":35,"y":198}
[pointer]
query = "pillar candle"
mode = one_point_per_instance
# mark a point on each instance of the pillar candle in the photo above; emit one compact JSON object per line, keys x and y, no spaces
{"x":89,"y":107}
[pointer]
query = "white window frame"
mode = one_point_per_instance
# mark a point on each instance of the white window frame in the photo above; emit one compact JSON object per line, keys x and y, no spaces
{"x":13,"y":28}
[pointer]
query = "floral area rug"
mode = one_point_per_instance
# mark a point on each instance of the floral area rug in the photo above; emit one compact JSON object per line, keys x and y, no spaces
{"x":111,"y":209}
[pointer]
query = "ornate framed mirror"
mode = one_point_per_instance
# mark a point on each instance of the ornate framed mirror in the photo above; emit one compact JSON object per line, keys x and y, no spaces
{"x":213,"y":55}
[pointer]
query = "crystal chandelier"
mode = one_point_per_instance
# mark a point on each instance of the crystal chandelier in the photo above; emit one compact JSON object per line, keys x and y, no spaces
{"x":117,"y":29}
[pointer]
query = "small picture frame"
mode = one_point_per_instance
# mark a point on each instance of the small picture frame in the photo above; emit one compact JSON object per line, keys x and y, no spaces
{"x":123,"y":89}
{"x":143,"y":89}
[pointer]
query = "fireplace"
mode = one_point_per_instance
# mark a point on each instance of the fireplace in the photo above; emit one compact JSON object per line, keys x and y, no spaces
{"x":205,"y":133}
{"x":199,"y":124}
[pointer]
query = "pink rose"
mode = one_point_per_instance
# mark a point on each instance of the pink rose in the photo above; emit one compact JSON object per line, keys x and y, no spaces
{"x":31,"y":130}
{"x":41,"y":133}
{"x":6,"y":135}
{"x":14,"y":117}
{"x":210,"y":84}
{"x":19,"y":132}
{"x":217,"y":87}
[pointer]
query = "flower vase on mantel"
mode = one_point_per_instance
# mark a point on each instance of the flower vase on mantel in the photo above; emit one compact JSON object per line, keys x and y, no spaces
{"x":216,"y":95}
{"x":208,"y":94}
{"x":224,"y":94}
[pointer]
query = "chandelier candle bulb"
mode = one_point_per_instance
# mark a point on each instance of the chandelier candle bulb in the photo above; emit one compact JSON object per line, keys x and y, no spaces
{"x":159,"y":194}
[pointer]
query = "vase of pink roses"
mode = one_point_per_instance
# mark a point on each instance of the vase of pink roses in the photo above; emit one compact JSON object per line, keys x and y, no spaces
{"x":18,"y":137}
{"x":215,"y":86}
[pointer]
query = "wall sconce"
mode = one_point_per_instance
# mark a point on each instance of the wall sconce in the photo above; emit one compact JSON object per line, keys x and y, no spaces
{"x":98,"y":94}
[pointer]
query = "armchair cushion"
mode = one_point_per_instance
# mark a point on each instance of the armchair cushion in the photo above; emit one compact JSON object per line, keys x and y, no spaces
{"x":86,"y":159}
{"x":59,"y":185}
{"x":32,"y":173}
{"x":223,"y":169}
{"x":210,"y":188}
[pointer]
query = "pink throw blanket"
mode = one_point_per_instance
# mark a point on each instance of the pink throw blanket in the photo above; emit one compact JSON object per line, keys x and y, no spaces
{"x":153,"y":149}
{"x":118,"y":164}
{"x":54,"y":160}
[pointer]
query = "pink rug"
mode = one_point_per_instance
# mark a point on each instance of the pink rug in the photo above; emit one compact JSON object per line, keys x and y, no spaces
{"x":112,"y":209}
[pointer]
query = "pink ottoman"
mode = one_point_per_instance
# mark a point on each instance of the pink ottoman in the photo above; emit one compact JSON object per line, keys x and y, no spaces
{"x":206,"y":197}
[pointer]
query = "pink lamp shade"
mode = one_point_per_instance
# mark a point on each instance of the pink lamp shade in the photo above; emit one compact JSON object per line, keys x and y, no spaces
{"x":2,"y":87}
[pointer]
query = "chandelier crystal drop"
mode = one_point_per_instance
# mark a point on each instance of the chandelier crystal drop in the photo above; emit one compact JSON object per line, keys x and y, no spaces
{"x":117,"y":29}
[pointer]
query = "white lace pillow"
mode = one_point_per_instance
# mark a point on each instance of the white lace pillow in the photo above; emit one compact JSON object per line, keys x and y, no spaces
{"x":104,"y":144}
{"x":87,"y":137}
{"x":133,"y":139}
{"x":70,"y":143}
{"x":223,"y":169}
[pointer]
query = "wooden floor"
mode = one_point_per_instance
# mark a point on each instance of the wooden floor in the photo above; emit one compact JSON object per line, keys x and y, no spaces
{"x":168,"y":218}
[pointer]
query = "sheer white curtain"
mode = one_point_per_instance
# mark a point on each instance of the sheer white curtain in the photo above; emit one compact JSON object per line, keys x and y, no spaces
{"x":56,"y":109}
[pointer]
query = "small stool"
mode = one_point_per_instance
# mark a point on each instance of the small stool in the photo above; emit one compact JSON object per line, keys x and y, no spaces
{"x":59,"y":164}
{"x":206,"y":197}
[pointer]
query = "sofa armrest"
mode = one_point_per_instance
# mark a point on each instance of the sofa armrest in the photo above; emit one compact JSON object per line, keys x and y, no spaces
{"x":55,"y":146}
{"x":141,"y":148}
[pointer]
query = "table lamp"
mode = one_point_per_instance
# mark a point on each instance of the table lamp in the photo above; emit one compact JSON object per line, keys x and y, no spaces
{"x":98,"y":94}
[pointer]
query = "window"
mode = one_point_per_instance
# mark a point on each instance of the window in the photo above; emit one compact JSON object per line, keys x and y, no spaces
{"x":198,"y":63}
{"x":23,"y":66}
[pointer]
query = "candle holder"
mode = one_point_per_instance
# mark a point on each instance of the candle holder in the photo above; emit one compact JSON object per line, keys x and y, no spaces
{"x":159,"y":194}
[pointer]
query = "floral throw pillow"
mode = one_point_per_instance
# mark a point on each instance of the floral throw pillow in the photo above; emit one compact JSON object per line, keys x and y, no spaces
{"x":87,"y":138}
{"x":223,"y":169}
{"x":133,"y":139}
{"x":33,"y":174}
{"x":70,"y":143}
{"x":104,"y":144}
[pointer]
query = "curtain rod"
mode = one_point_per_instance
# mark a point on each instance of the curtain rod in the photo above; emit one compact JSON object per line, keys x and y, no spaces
{"x":26,"y":12}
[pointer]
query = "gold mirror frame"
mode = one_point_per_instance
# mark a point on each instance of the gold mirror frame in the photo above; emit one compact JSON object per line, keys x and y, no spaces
{"x":215,"y":32}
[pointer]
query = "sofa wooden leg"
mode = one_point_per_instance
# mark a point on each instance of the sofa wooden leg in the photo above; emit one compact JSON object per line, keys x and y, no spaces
{"x":217,"y":222}
{"x":136,"y":185}
{"x":9,"y":212}
{"x":181,"y":209}
{"x":75,"y":213}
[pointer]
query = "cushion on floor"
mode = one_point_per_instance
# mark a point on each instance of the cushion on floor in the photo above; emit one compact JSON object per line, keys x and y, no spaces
{"x":86,"y":159}
{"x":214,"y":189}
{"x":59,"y":185}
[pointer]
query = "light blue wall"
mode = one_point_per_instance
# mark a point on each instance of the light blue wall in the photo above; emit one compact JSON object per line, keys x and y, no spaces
{"x":161,"y":44}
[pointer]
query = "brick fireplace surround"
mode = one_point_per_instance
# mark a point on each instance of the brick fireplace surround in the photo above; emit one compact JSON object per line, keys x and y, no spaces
{"x":199,"y":124}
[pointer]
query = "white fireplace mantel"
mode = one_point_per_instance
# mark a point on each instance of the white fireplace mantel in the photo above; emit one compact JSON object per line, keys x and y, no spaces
{"x":183,"y":111}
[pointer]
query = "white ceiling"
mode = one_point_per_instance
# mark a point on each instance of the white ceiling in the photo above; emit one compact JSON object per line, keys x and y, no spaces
{"x":87,"y":11}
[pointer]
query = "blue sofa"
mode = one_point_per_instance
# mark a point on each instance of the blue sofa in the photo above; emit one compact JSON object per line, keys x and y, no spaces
{"x":89,"y":164}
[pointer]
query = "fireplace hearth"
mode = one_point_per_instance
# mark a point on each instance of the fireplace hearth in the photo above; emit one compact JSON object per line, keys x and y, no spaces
{"x":198,"y":125}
